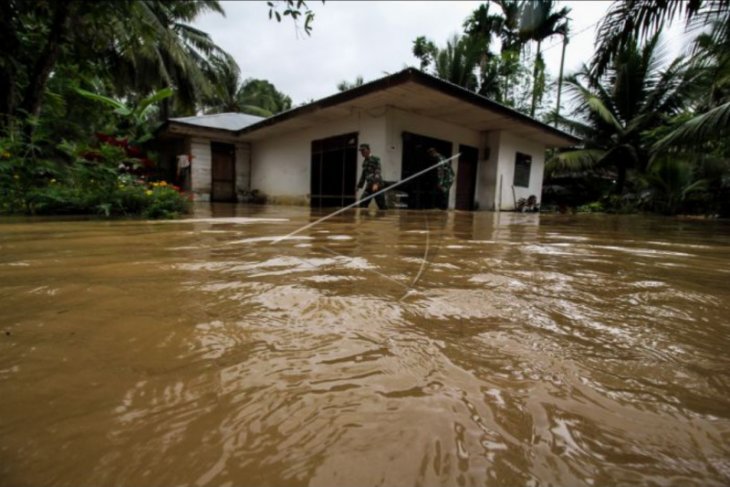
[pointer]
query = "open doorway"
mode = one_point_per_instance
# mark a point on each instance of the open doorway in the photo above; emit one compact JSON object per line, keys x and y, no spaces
{"x":421,"y":190}
{"x":334,"y":171}
{"x":466,"y":177}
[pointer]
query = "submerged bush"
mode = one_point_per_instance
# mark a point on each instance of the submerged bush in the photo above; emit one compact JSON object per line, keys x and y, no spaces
{"x":595,"y":207}
{"x":126,"y":198}
{"x":107,"y":179}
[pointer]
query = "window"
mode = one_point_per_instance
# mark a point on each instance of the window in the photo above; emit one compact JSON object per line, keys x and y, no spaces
{"x":523,"y":163}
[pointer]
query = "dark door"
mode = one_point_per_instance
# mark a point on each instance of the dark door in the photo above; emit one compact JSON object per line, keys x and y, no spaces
{"x":466,"y":177}
{"x":422,"y":189}
{"x":223,"y":172}
{"x":334,"y":171}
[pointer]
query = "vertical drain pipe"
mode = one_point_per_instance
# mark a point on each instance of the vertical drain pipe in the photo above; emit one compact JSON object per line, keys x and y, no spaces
{"x":499,"y":201}
{"x":250,"y":164}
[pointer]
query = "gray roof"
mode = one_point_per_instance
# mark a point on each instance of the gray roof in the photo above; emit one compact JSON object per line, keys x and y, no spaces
{"x":227,"y":121}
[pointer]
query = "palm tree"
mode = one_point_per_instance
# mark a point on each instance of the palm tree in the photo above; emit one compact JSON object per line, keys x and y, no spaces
{"x":126,"y":48}
{"x":614,"y":111}
{"x":538,"y":23}
{"x":627,"y":20}
{"x":482,"y":27}
{"x":264,"y":95}
{"x":710,"y":122}
{"x":509,"y":31}
{"x":456,"y":62}
{"x":502,"y":76}
{"x":152,"y":45}
{"x":252,"y":96}
{"x":226,"y":95}
{"x":346,"y":85}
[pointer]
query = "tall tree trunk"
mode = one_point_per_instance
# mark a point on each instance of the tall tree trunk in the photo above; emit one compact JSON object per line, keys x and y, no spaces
{"x":620,"y":179}
{"x":8,"y":69}
{"x":534,"y":80}
{"x":41,"y":71}
{"x":560,"y":79}
{"x":165,"y":109}
{"x":7,"y":93}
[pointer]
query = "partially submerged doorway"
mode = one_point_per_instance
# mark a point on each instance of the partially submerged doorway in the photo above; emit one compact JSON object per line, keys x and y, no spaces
{"x":466,"y":177}
{"x":223,"y":172}
{"x":421,"y":190}
{"x":334,"y":171}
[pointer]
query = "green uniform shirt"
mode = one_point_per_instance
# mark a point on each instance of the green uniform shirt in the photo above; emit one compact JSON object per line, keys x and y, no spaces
{"x":370,"y":173}
{"x":445,"y":176}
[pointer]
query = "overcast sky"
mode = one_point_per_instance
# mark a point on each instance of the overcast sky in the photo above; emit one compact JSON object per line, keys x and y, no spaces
{"x":367,"y":38}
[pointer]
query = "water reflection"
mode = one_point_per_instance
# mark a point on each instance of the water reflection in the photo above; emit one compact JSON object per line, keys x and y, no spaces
{"x":376,"y":348}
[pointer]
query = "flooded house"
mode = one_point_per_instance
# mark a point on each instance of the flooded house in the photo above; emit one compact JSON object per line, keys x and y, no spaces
{"x":308,"y":155}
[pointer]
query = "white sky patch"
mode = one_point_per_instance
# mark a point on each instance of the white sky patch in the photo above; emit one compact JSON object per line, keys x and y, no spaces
{"x":371,"y":39}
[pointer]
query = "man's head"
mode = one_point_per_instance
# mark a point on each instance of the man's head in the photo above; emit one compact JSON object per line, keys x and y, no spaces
{"x":432,"y":152}
{"x":365,"y":150}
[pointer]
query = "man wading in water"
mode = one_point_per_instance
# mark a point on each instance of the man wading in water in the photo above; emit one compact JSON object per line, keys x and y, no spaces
{"x":445,"y":178}
{"x":371,"y":178}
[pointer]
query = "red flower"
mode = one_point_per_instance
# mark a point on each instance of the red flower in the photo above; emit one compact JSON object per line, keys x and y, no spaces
{"x":111,"y":140}
{"x":92,"y":155}
{"x":103,"y":137}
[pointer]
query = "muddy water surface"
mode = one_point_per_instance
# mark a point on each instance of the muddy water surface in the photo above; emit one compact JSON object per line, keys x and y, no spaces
{"x":402,"y":348}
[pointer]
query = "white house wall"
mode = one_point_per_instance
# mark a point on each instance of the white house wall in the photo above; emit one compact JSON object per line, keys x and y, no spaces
{"x":281,"y":165}
{"x":201,"y":178}
{"x":508,"y":145}
{"x":400,"y":121}
{"x":243,"y":168}
{"x":487,"y":180}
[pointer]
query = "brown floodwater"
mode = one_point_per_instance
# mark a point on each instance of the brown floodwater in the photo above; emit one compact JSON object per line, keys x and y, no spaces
{"x":396,"y":348}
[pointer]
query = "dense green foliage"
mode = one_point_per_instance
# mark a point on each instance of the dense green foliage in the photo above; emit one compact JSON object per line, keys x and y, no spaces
{"x":112,"y":175}
{"x":346,"y":85}
{"x":83,"y":86}
{"x":252,"y":96}
{"x":468,"y":60}
{"x":655,"y":132}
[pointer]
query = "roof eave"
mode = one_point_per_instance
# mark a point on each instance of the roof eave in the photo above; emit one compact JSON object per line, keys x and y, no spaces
{"x":416,"y":76}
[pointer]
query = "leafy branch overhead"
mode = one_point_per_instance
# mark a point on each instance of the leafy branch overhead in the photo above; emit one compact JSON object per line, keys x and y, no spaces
{"x":296,"y":9}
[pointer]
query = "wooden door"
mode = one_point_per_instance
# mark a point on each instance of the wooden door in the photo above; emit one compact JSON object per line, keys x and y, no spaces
{"x":223,"y":172}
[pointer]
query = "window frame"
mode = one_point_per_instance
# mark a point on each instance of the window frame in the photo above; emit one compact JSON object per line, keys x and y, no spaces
{"x":523,"y":162}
